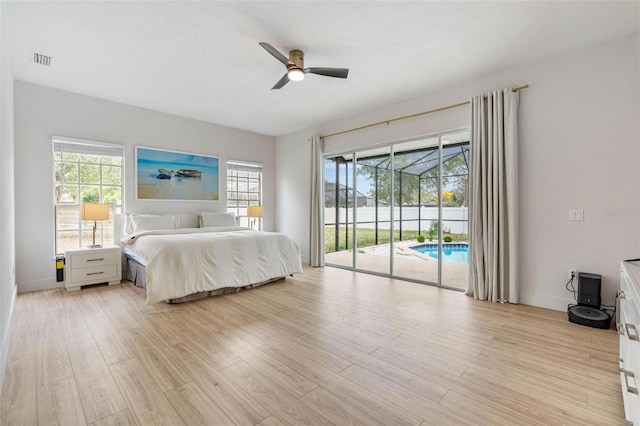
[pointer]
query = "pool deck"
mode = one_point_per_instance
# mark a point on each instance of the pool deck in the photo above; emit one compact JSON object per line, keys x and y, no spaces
{"x":407,"y":263}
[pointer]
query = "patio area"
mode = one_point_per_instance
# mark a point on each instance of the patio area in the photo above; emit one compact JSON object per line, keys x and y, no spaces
{"x":407,"y":263}
{"x":409,"y":190}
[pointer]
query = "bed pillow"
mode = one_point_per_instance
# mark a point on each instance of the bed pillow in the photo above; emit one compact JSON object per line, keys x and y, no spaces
{"x":127,"y":227}
{"x":150,"y":222}
{"x":218,"y":219}
{"x":185,"y":220}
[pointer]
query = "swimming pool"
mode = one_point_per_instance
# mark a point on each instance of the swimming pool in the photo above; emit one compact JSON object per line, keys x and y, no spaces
{"x":450,"y":252}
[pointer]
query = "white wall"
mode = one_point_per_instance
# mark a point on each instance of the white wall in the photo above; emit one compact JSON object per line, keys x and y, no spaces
{"x":7,"y":239}
{"x":41,"y":112}
{"x":579,"y":149}
{"x":293,"y":197}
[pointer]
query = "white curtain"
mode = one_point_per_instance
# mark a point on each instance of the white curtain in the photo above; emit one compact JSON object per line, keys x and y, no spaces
{"x":493,"y":197}
{"x":316,"y":257}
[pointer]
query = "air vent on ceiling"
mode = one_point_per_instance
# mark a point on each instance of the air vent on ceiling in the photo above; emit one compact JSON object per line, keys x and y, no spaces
{"x":42,"y":59}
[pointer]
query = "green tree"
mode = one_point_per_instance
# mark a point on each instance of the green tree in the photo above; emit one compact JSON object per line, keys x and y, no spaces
{"x":89,"y":173}
{"x":410,"y":185}
{"x":90,"y":194}
{"x":454,"y":177}
{"x":433,"y":230}
{"x":111,"y":175}
{"x":111,"y":195}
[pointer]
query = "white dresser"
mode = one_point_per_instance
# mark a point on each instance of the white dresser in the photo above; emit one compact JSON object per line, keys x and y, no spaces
{"x":85,"y":266}
{"x":628,"y":324}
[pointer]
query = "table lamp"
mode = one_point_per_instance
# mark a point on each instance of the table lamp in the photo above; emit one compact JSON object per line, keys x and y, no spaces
{"x":253,"y":212}
{"x":94,"y":212}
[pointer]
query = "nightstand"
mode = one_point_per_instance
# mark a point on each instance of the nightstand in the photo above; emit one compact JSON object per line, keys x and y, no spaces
{"x":86,"y":266}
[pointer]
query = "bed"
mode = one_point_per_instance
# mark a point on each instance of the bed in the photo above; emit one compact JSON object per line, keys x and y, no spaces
{"x":179,"y":258}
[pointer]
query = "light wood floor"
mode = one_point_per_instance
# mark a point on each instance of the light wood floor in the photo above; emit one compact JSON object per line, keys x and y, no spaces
{"x":326,"y":347}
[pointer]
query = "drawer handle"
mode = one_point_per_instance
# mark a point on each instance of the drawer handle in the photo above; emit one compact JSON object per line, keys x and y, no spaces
{"x":620,"y":328}
{"x":621,"y":295}
{"x":95,"y":260}
{"x":620,"y":365}
{"x":630,"y":327}
{"x":630,"y":389}
{"x":95,"y":273}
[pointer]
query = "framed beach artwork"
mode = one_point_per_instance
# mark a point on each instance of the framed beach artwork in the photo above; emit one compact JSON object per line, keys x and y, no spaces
{"x":174,"y":175}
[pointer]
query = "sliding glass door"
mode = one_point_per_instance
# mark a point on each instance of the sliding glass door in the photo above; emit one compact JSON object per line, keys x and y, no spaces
{"x":416,"y":167}
{"x":454,"y":214}
{"x":400,"y":210}
{"x":373,"y":212}
{"x":338,"y":211}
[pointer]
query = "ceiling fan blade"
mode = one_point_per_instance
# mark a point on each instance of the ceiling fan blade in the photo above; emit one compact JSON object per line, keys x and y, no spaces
{"x":284,"y":80}
{"x":329,"y":72}
{"x":279,"y":56}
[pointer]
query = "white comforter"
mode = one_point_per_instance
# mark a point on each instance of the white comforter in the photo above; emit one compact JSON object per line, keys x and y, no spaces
{"x":180,"y":262}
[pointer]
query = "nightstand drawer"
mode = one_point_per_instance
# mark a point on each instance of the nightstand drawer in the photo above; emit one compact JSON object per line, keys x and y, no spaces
{"x":87,"y":266}
{"x":102,"y":273}
{"x":99,"y":258}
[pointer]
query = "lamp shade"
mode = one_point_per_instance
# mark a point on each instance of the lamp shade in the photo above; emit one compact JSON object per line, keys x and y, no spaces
{"x":254,"y":211}
{"x":93,"y":211}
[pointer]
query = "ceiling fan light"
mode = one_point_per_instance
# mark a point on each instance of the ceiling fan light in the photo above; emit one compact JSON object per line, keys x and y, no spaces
{"x":295,"y":74}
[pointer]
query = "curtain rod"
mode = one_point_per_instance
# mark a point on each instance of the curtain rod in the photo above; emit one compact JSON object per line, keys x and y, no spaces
{"x":391,"y":120}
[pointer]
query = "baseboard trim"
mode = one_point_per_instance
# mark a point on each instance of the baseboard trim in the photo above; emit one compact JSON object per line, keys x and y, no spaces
{"x":4,"y":350}
{"x":26,"y":286}
{"x":548,"y":302}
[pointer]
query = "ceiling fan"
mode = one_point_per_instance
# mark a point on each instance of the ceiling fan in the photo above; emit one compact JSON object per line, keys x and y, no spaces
{"x":296,"y":69}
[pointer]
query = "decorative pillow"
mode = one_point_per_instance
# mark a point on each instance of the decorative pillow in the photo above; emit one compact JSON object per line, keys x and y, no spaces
{"x":186,"y":220}
{"x":218,"y":219}
{"x":150,"y":222}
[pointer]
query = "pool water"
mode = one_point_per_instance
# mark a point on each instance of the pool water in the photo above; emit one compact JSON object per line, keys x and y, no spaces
{"x":450,"y":252}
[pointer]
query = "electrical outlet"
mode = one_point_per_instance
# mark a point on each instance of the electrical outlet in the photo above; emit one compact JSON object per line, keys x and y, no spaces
{"x":576,"y":214}
{"x":573,"y":273}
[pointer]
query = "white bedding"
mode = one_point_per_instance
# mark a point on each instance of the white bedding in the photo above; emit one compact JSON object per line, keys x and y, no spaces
{"x":180,"y":262}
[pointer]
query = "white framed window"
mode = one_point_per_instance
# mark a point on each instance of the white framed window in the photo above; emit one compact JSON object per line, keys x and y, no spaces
{"x":85,"y":171}
{"x":244,"y":189}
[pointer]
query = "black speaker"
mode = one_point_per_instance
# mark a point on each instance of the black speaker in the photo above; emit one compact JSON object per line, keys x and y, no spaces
{"x":59,"y":268}
{"x":589,"y":289}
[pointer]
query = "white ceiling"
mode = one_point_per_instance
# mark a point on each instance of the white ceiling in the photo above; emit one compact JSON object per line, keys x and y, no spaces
{"x":202,"y":59}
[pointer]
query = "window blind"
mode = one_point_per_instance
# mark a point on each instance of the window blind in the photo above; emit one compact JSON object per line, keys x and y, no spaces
{"x":75,"y":146}
{"x":244,"y":166}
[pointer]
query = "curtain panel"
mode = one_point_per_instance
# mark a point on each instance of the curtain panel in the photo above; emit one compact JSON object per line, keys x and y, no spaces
{"x":493,"y":197}
{"x":316,"y":251}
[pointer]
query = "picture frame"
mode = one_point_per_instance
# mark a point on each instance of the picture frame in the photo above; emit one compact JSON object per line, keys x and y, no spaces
{"x":165,"y":175}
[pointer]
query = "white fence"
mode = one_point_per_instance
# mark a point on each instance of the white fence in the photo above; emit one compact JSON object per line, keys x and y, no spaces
{"x":455,"y":220}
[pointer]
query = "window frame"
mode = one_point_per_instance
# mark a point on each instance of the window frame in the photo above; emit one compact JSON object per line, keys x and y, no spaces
{"x":84,"y":229}
{"x":241,"y":171}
